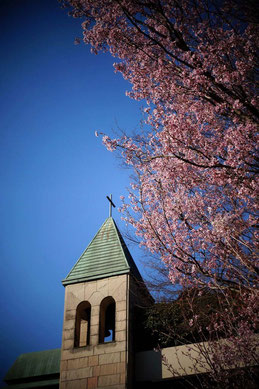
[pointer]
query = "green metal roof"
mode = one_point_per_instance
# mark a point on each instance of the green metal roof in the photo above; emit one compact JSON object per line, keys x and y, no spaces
{"x":41,"y":364}
{"x":107,"y":255}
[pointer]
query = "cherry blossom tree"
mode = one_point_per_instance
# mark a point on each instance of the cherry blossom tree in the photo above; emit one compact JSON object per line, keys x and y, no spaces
{"x":194,"y":65}
{"x":219,"y":337}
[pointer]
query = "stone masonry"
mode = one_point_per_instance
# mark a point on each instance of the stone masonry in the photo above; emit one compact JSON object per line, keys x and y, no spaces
{"x":101,"y":366}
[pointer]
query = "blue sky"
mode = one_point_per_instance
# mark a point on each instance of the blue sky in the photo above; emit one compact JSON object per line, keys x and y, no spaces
{"x":55,"y":174}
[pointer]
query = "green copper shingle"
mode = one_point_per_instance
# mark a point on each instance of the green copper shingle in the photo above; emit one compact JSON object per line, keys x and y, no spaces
{"x":107,"y":255}
{"x":44,"y":364}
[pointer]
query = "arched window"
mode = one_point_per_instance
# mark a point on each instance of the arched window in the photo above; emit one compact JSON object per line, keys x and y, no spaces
{"x":107,"y":320}
{"x":82,"y":327}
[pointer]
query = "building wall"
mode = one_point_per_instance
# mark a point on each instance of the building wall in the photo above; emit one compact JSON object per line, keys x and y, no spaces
{"x":139,"y":298}
{"x":96,"y":365}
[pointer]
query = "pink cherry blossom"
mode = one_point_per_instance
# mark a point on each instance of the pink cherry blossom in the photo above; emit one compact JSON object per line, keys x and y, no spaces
{"x":194,"y":199}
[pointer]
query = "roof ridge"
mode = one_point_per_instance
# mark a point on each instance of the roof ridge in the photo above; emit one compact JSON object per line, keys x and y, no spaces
{"x":118,"y":237}
{"x":124,"y":248}
{"x":40,"y":351}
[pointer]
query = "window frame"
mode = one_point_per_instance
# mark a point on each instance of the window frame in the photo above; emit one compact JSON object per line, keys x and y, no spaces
{"x":83,"y":315}
{"x":106,"y":303}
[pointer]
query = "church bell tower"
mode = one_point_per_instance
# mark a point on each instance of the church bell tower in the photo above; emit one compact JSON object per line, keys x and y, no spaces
{"x":101,"y":291}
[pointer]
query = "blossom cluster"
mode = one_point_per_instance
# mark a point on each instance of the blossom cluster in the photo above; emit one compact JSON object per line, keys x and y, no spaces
{"x":193,"y":203}
{"x":193,"y":62}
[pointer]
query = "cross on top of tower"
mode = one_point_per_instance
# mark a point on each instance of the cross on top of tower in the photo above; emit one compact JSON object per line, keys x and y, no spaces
{"x":111,"y":204}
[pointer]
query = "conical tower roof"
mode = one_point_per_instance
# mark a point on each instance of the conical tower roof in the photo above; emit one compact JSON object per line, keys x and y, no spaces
{"x":107,"y":255}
